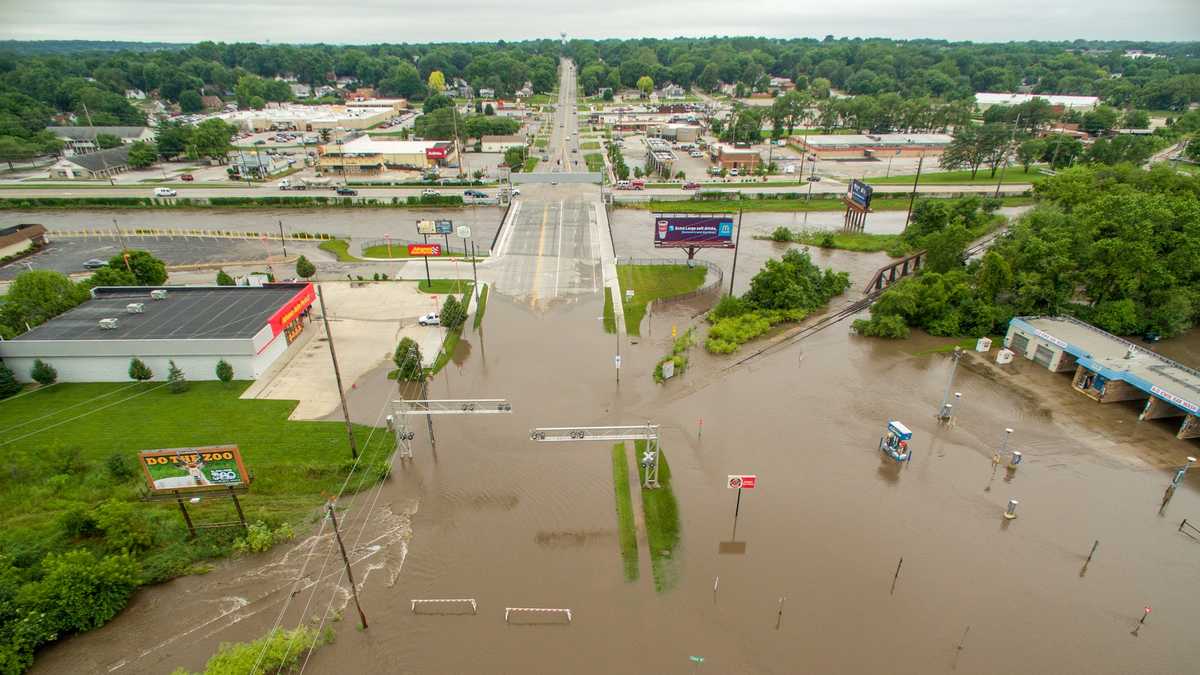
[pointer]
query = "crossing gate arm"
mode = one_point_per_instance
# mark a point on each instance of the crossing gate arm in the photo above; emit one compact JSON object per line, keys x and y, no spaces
{"x":541,"y":610}
{"x":626,"y":433}
{"x":452,"y":406}
{"x":468,"y":601}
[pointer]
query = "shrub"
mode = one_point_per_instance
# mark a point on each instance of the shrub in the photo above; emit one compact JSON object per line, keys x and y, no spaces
{"x":8,"y":382}
{"x":727,"y":306}
{"x":408,"y":360}
{"x":781,"y":234}
{"x":224,"y":371}
{"x":882,"y":325}
{"x":176,"y":382}
{"x":454,"y":313}
{"x":260,"y":537}
{"x":224,"y":279}
{"x":79,"y":591}
{"x":120,"y":466}
{"x":280,"y":651}
{"x":78,"y":521}
{"x":138,"y":370}
{"x":304,"y":268}
{"x":125,"y":528}
{"x":43,"y":373}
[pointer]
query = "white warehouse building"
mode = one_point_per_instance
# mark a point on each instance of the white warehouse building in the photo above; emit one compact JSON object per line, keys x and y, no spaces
{"x":194,"y":326}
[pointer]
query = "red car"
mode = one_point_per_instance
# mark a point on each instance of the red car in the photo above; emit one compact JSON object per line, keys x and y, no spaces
{"x":691,"y":185}
{"x":187,"y":177}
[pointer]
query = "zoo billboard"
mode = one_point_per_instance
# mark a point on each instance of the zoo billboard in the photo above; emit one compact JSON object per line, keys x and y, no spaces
{"x":212,"y":467}
{"x":709,"y":231}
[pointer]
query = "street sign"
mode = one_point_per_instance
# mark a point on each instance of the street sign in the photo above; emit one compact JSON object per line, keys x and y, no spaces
{"x":617,"y":361}
{"x":629,"y":294}
{"x":464,"y":232}
{"x":668,"y":369}
{"x":443,"y":226}
{"x":747,"y":481}
{"x":424,"y":250}
{"x":426,"y":227}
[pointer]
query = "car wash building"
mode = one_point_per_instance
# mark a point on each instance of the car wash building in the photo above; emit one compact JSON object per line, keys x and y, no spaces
{"x":195,"y":326}
{"x":1108,"y":369}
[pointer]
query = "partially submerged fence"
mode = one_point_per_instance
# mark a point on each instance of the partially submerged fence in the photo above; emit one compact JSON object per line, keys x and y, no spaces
{"x":536,"y":610}
{"x":450,"y":602}
{"x":713,"y":280}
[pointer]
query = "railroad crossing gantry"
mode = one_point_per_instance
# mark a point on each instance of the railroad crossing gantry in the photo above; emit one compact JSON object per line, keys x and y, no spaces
{"x":643,"y":432}
{"x":398,"y":424}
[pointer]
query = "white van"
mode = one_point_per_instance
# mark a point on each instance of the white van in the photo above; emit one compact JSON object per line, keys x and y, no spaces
{"x":164,"y":192}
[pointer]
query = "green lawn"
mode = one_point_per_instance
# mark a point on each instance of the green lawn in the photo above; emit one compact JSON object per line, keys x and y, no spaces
{"x":783,"y":205}
{"x":443,"y":286}
{"x":593,"y":145}
{"x":661,"y":513}
{"x":610,"y":315}
{"x":483,"y":296}
{"x":530,"y":164}
{"x":399,"y":250}
{"x":1014,"y":175}
{"x":452,"y":336}
{"x":70,"y":447}
{"x":541,"y":143}
{"x":340,"y":248}
{"x":595,"y":162}
{"x":848,"y":241}
{"x":651,"y":282}
{"x":626,"y":533}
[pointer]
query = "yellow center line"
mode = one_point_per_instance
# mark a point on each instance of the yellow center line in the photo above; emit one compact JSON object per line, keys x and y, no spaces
{"x":537,"y":271}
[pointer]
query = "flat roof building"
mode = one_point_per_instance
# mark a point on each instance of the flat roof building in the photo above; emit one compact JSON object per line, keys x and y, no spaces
{"x":311,"y":117}
{"x":857,"y":146}
{"x":195,"y":326}
{"x":985,"y":100}
{"x":371,"y":156}
{"x":1108,"y":368}
{"x":729,"y":157}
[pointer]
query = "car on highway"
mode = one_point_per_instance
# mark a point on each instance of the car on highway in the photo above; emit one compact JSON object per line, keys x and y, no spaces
{"x":347,"y":192}
{"x":94,"y":264}
{"x":187,"y":177}
{"x":164,"y":192}
{"x":431,"y":319}
{"x":427,"y":192}
{"x":475,"y":193}
{"x":813,"y":179}
{"x":691,"y":185}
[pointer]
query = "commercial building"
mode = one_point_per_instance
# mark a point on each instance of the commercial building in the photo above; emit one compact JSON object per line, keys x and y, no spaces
{"x":501,"y":143}
{"x":877,"y":146}
{"x":99,"y":164}
{"x":355,"y":115}
{"x":1108,"y":369}
{"x":985,"y":100}
{"x":729,"y":157}
{"x":194,"y":326}
{"x":372,"y":156}
{"x":660,"y":158}
{"x":679,"y":133}
{"x":82,"y":140}
{"x":19,"y":239}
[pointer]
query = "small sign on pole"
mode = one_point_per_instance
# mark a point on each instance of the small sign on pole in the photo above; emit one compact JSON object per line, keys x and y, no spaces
{"x":629,"y":294}
{"x":617,"y":361}
{"x":668,"y":370}
{"x":739,"y":481}
{"x":463,"y":232}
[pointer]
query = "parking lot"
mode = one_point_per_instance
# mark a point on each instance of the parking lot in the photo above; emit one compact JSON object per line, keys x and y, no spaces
{"x":68,"y":255}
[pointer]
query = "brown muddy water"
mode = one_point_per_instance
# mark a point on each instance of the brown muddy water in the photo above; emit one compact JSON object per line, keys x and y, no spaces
{"x":513,"y":523}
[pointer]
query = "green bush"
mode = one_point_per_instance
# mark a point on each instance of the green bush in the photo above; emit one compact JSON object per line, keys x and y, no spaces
{"x":453,"y":313}
{"x":78,"y":521}
{"x":43,"y":373}
{"x":138,"y":370}
{"x":304,"y":268}
{"x":126,"y":528}
{"x":224,"y":371}
{"x":408,"y":360}
{"x":79,"y":591}
{"x":781,"y":234}
{"x":885,"y":326}
{"x":279,"y":652}
{"x":260,"y":537}
{"x":176,"y":382}
{"x":727,"y":306}
{"x":120,"y":466}
{"x":224,"y":279}
{"x":8,"y":382}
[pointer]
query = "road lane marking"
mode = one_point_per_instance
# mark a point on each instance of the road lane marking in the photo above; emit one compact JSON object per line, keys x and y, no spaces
{"x":537,"y":270}
{"x":558,"y":256}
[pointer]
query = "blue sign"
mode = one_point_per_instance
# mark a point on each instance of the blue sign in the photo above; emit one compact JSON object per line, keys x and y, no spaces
{"x":860,"y":194}
{"x":444,"y":226}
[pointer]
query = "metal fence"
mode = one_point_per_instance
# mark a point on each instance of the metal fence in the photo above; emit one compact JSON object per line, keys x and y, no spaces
{"x":713,"y":281}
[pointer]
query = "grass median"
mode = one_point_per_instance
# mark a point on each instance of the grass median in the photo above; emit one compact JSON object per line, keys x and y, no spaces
{"x":1013,"y":176}
{"x":483,"y":296}
{"x":661,"y":511}
{"x":824,"y":203}
{"x":626,"y":532}
{"x":651,"y":282}
{"x":610,"y":315}
{"x":399,"y":250}
{"x":443,"y":286}
{"x":339,"y":248}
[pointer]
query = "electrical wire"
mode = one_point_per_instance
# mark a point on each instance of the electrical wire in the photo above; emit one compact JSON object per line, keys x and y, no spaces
{"x":61,"y":410}
{"x":81,"y":416}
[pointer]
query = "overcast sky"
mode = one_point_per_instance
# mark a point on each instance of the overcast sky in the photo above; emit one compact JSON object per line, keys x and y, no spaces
{"x":370,"y":21}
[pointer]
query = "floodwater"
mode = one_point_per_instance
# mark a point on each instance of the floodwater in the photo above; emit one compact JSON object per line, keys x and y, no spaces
{"x":493,"y":516}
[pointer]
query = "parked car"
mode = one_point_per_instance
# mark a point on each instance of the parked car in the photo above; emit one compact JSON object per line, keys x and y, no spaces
{"x":187,"y":177}
{"x":733,"y":172}
{"x":431,"y":319}
{"x":474,"y":193}
{"x":347,"y":192}
{"x":427,"y":192}
{"x":94,"y":264}
{"x":691,"y":185}
{"x":164,"y":192}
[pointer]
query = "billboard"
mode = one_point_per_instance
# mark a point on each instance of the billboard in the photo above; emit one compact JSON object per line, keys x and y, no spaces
{"x":436,"y":152}
{"x":860,"y":194}
{"x":424,"y":250}
{"x":285,"y":315}
{"x":707,"y":231}
{"x":213,"y":467}
{"x":435,"y":227}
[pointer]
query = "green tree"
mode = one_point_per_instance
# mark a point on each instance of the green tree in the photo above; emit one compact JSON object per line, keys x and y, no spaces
{"x":436,"y":102}
{"x":79,"y":592}
{"x":1030,"y":151}
{"x":945,"y":248}
{"x":1136,"y":119}
{"x":177,"y":383}
{"x":710,"y":77}
{"x":106,"y":141}
{"x":43,"y":373}
{"x":224,"y":279}
{"x":645,"y":85}
{"x":489,"y":110}
{"x":211,"y":138}
{"x":173,"y":139}
{"x":437,"y":82}
{"x":408,"y":360}
{"x":190,"y":102}
{"x":109,"y":276}
{"x":453,"y":313}
{"x":304,"y":268}
{"x":515,"y":157}
{"x":142,"y":154}
{"x":13,"y":149}
{"x":224,"y":371}
{"x":8,"y":382}
{"x":257,"y":102}
{"x":37,"y":296}
{"x":138,"y":370}
{"x":148,"y":270}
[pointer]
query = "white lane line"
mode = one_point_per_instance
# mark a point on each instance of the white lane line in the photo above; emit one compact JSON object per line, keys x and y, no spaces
{"x":558,"y":256}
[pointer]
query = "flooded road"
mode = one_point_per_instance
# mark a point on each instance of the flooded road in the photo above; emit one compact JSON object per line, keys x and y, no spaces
{"x":512,"y":523}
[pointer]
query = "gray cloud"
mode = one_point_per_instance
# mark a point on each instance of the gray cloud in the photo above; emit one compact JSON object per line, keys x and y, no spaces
{"x":370,"y":21}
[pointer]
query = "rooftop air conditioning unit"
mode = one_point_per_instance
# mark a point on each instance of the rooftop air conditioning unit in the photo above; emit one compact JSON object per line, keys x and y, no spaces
{"x":135,"y":308}
{"x":159,"y":294}
{"x":108,"y":324}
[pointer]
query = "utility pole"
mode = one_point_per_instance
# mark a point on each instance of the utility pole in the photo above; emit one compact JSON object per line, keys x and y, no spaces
{"x":913,"y":197}
{"x":346,"y":559}
{"x":736,"y":245}
{"x":1007,"y":151}
{"x":337,"y":373}
{"x":121,"y":235}
{"x":282,"y":240}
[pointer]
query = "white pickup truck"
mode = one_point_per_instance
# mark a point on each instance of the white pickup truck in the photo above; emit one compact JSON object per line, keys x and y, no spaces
{"x":305,"y":183}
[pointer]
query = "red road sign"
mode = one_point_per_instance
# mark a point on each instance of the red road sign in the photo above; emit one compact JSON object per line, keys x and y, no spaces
{"x":737,"y":482}
{"x":430,"y":250}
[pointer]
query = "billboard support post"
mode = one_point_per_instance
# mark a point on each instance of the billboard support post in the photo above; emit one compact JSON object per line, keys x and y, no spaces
{"x":738,"y":240}
{"x":238,"y":505}
{"x":428,"y":281}
{"x":186,"y":518}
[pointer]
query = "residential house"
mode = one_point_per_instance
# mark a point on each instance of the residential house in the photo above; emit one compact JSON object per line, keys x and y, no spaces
{"x":136,"y":94}
{"x":301,"y":90}
{"x":460,"y":88}
{"x":212,"y":102}
{"x":99,"y":164}
{"x":525,"y":91}
{"x":781,"y":84}
{"x":672,"y":91}
{"x":487,"y":92}
{"x":82,"y":140}
{"x":323,"y":91}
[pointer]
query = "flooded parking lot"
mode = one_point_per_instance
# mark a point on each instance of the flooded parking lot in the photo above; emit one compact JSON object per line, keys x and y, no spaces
{"x":511,"y":523}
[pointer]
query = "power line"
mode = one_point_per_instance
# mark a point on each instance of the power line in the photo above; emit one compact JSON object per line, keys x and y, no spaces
{"x":72,"y":419}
